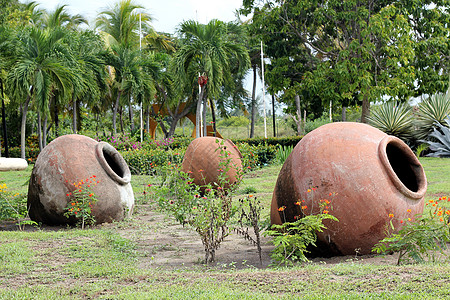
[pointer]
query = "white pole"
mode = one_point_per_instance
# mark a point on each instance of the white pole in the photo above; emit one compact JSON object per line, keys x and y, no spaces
{"x":142,"y":104}
{"x":201,"y":109}
{"x":264,"y":90}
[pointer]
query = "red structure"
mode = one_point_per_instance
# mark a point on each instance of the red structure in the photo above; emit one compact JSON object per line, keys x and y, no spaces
{"x":163,"y":112}
{"x":364,"y":174}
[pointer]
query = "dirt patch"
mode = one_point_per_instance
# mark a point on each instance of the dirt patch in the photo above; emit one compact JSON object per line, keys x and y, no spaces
{"x":163,"y":243}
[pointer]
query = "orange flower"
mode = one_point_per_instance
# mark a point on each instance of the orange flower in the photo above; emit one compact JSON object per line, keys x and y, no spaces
{"x":431,"y":201}
{"x":282,"y":208}
{"x":401,"y":221}
{"x":439,"y":213}
{"x":441,"y":219}
{"x":297,"y":203}
{"x":308,"y":191}
{"x":325,"y":211}
{"x":304,"y":207}
{"x":330,"y":194}
{"x":409,"y":219}
{"x":391,"y":215}
{"x":250,"y":195}
{"x":408,"y":210}
{"x":326,"y":201}
{"x":448,"y":212}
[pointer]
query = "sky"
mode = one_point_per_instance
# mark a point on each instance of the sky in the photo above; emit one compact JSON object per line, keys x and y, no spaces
{"x":167,"y":14}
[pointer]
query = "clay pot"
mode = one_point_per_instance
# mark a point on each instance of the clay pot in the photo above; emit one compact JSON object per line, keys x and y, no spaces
{"x":70,"y":159}
{"x":369,"y":175}
{"x":203,"y":157}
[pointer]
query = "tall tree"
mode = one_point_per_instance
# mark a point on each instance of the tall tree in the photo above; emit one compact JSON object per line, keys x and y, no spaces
{"x":204,"y":59}
{"x":39,"y":66}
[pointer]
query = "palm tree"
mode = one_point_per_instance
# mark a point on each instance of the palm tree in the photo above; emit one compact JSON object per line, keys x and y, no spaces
{"x":39,"y":68}
{"x":120,"y":23}
{"x":127,"y":74}
{"x":205,"y":58}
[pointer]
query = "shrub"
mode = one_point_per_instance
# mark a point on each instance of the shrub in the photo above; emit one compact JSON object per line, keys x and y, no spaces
{"x":207,"y":213}
{"x":256,"y":156}
{"x":431,"y":111}
{"x":420,"y":239}
{"x":291,"y":239}
{"x":441,"y":148}
{"x":283,"y":153}
{"x":283,"y":141}
{"x":394,"y":119}
{"x":145,"y":161}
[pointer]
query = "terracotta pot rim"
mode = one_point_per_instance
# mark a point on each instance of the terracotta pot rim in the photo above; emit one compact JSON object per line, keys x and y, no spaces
{"x":412,"y":160}
{"x":114,"y":156}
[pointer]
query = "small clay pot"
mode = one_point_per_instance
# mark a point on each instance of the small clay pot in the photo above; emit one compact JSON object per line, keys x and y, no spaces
{"x":364,"y":173}
{"x":70,"y":159}
{"x":202,"y":161}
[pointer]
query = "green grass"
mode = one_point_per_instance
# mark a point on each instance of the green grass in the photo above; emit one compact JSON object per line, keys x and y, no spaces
{"x":98,"y":263}
{"x":437,"y":171}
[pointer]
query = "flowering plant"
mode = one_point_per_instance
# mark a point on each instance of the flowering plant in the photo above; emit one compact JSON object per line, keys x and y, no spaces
{"x":81,"y":202}
{"x":420,"y":237}
{"x":207,"y":208}
{"x":292,"y":239}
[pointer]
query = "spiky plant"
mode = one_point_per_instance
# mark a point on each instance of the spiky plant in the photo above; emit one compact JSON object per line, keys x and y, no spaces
{"x":393,"y":118}
{"x":440,"y":148}
{"x":432,"y":110}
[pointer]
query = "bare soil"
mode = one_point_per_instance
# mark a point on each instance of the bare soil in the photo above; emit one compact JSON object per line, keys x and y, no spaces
{"x":163,"y":243}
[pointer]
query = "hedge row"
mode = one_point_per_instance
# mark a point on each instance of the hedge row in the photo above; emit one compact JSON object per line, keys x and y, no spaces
{"x":146,"y":161}
{"x":283,"y":141}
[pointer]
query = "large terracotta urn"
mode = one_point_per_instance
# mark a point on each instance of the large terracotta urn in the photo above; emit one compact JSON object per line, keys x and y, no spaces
{"x":208,"y":157}
{"x":360,"y":175}
{"x":70,"y":159}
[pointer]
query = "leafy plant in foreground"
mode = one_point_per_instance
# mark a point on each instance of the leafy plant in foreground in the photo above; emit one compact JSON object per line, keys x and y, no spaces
{"x":422,"y":238}
{"x":291,"y":239}
{"x":81,"y":201}
{"x":207,"y":208}
{"x":14,"y":207}
{"x":283,"y":153}
{"x":250,"y":212}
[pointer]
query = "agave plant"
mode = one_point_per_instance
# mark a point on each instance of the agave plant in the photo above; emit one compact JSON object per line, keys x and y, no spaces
{"x":441,"y":148}
{"x":432,"y":110}
{"x":393,"y":118}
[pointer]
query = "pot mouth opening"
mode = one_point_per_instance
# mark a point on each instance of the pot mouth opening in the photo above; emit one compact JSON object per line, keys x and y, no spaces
{"x":113,"y":163}
{"x":403,"y":167}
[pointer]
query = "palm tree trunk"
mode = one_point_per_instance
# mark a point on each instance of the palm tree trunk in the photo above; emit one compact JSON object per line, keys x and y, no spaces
{"x":74,"y":111}
{"x":4,"y":130}
{"x":298,"y":119}
{"x":44,"y":132}
{"x":205,"y":129}
{"x":253,"y":118}
{"x":56,"y":119}
{"x":213,"y":114}
{"x":198,"y":112}
{"x":114,"y":117}
{"x":131,"y":114}
{"x":39,"y":130}
{"x":23,"y":126}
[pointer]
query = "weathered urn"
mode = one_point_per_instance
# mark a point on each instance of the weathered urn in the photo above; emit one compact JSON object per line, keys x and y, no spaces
{"x":207,"y":157}
{"x":363,"y":174}
{"x":68,"y":160}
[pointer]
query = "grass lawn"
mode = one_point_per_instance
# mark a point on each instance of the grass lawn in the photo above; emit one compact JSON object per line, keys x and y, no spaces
{"x":100,"y":263}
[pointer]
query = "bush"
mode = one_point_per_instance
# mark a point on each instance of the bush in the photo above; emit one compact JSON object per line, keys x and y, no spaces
{"x":394,"y":119}
{"x":234,"y":122}
{"x":283,"y":141}
{"x":144,"y":161}
{"x":256,"y":156}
